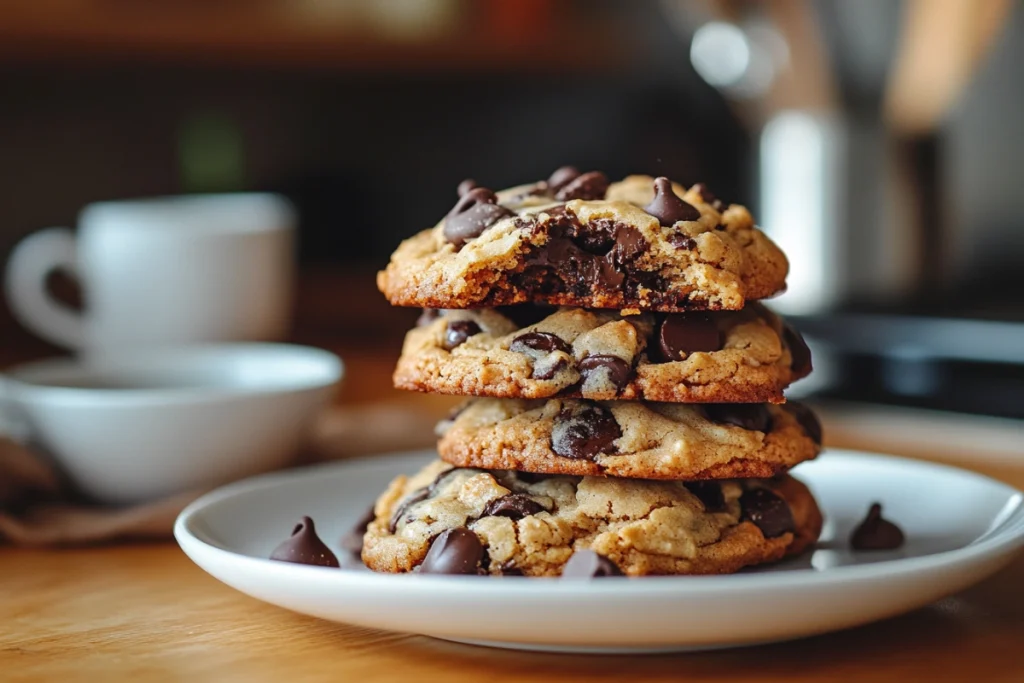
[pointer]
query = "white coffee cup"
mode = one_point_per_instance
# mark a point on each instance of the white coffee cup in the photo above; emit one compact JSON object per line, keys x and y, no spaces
{"x":162,"y":272}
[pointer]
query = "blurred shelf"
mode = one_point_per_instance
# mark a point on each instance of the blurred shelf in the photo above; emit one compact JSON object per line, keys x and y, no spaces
{"x":320,"y":34}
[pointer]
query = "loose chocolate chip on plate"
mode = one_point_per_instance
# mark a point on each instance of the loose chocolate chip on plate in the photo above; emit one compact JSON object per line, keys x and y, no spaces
{"x":798,"y":349}
{"x":681,"y":241}
{"x":475,"y":211}
{"x":586,"y":564}
{"x":709,"y":493}
{"x":615,"y":369}
{"x":807,"y":419}
{"x":561,"y":177}
{"x":667,"y":206}
{"x":458,"y":331}
{"x":305,"y":547}
{"x":353,"y":540}
{"x":538,"y":341}
{"x":589,"y":186}
{"x":767,"y":511}
{"x":681,"y":334}
{"x":465,"y":186}
{"x":876,"y":532}
{"x":753,"y":416}
{"x":410,"y":500}
{"x":514,"y":505}
{"x":455,"y":551}
{"x":586,"y":434}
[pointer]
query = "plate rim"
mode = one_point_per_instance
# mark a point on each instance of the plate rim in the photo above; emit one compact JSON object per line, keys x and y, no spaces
{"x":1007,"y":537}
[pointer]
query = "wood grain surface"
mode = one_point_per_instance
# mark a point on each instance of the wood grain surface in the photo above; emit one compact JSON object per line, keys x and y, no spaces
{"x":146,"y":613}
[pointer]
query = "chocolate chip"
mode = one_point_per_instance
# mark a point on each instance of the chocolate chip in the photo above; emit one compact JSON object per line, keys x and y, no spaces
{"x":876,"y":532}
{"x":753,"y":416}
{"x":514,"y":506}
{"x":767,"y":511}
{"x":586,"y":434}
{"x":530,"y":477}
{"x":667,"y":206}
{"x":614,"y":368}
{"x":709,"y":197}
{"x":709,"y":493}
{"x":455,"y":551}
{"x":807,"y":419}
{"x":465,"y":186}
{"x":410,"y":500}
{"x":561,"y":177}
{"x":681,"y":241}
{"x":428,"y":316}
{"x":586,"y":564}
{"x":475,"y":211}
{"x":353,"y":540}
{"x":525,"y":315}
{"x":798,"y":349}
{"x":681,"y":334}
{"x":589,"y":186}
{"x":538,"y":341}
{"x":629,"y":245}
{"x":458,"y":331}
{"x":719,"y":227}
{"x":305,"y":547}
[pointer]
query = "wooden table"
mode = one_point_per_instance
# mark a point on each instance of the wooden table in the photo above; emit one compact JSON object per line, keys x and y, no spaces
{"x":146,"y":613}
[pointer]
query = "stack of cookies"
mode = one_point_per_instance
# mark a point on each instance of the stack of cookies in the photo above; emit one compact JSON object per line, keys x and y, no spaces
{"x":628,"y":414}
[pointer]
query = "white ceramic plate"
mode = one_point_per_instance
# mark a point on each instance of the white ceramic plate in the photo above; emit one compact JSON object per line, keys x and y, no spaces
{"x":960,"y":528}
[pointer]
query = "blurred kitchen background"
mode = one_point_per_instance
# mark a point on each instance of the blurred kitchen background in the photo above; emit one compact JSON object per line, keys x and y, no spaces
{"x":879,"y":141}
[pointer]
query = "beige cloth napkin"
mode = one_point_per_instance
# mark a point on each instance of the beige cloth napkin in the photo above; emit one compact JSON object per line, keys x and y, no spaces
{"x":38,"y":509}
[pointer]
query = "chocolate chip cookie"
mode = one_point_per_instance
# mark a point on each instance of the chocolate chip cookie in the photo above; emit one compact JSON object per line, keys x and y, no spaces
{"x":746,"y":356}
{"x":447,"y":520}
{"x":578,"y":240}
{"x":631,"y":439}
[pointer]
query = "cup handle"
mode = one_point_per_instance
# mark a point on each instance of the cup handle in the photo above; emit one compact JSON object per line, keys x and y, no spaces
{"x":31,"y":262}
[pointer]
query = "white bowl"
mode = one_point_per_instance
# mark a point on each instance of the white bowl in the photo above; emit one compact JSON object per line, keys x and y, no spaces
{"x":146,"y":424}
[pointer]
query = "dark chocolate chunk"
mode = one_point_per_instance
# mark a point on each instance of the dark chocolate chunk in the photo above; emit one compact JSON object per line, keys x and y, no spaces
{"x":305,"y":547}
{"x":709,"y":493}
{"x":684,"y":333}
{"x":458,"y":331}
{"x":353,"y":540}
{"x":586,"y":434}
{"x":753,"y":416}
{"x":514,"y":505}
{"x":538,"y":341}
{"x":807,"y":419}
{"x":618,"y":371}
{"x":768,"y":512}
{"x":530,"y":477}
{"x":876,"y":532}
{"x":428,"y":316}
{"x":410,"y":500}
{"x":629,"y":245}
{"x":466,"y":186}
{"x":667,"y":206}
{"x":798,"y":349}
{"x":681,"y":241}
{"x":709,"y":197}
{"x":586,"y":564}
{"x":589,"y":186}
{"x":455,"y":551}
{"x":475,"y":211}
{"x":561,"y":177}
